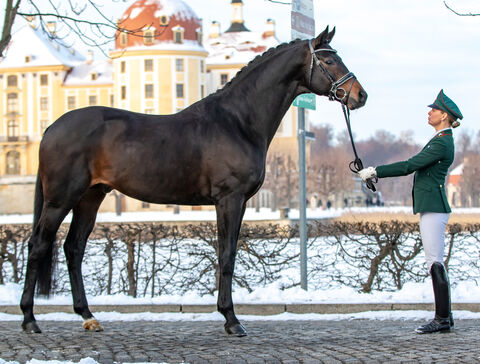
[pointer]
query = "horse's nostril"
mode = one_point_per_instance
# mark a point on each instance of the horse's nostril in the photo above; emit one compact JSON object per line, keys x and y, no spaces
{"x":363,"y":96}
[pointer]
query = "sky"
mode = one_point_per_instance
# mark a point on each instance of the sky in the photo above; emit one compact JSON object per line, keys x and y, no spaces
{"x":402,"y":52}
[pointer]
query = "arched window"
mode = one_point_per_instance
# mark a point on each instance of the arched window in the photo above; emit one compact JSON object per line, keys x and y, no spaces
{"x":12,"y":81}
{"x":199,"y":36}
{"x":123,"y":39}
{"x":178,"y":34}
{"x":12,"y":103}
{"x":148,"y":36}
{"x":13,"y":162}
{"x":12,"y":130}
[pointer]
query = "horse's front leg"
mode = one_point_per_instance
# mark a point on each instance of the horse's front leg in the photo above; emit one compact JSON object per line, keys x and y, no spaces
{"x":230,"y":212}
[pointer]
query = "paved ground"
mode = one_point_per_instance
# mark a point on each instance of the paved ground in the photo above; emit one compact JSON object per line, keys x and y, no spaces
{"x":355,"y":341}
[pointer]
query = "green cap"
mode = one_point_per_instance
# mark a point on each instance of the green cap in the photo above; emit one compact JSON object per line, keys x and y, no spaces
{"x":444,"y":103}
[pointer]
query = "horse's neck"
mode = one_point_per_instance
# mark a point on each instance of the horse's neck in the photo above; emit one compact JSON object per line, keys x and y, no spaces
{"x":262,"y":97}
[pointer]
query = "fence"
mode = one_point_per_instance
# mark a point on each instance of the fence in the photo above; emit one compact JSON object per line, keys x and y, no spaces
{"x":150,"y":259}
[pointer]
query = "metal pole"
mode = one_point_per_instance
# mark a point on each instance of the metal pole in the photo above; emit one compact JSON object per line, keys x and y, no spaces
{"x":302,"y":199}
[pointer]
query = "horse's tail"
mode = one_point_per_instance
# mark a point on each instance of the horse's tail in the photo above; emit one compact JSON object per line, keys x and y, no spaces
{"x":38,"y":202}
{"x":46,"y":266}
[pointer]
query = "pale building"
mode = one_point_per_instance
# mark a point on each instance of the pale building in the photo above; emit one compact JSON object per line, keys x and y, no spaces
{"x":160,"y":69}
{"x":453,"y":187}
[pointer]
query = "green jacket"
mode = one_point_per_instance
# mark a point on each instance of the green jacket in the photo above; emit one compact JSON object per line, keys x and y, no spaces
{"x":430,"y":167}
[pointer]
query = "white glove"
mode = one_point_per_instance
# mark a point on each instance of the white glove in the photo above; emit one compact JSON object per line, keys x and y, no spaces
{"x":367,"y":173}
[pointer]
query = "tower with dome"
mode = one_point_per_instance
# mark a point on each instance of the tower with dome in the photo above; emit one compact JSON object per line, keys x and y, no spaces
{"x":161,"y":65}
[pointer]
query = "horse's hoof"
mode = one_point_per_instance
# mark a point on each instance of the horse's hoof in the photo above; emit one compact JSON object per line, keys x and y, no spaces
{"x":236,"y":329}
{"x":31,"y":328}
{"x":92,"y":325}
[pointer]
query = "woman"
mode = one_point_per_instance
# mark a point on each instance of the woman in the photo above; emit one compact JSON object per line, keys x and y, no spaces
{"x":430,"y":200}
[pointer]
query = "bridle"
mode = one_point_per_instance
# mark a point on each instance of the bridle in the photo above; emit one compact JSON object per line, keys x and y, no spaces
{"x":335,"y":85}
{"x":333,"y":95}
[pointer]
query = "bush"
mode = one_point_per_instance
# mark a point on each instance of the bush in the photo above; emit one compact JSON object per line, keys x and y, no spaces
{"x":150,"y":259}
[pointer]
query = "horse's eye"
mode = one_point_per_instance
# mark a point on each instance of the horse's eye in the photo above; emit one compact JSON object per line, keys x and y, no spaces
{"x":329,"y":61}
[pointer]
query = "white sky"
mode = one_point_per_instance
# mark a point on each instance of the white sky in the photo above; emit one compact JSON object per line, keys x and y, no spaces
{"x":402,"y":51}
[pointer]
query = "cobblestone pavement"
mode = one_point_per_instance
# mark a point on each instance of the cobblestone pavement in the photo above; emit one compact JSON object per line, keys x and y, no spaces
{"x":353,"y":341}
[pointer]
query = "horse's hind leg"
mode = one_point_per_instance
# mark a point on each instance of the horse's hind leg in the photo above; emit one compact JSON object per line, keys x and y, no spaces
{"x":40,"y":245}
{"x":84,"y":214}
{"x":230,"y":212}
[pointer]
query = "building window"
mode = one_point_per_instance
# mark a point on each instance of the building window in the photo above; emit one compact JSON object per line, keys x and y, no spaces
{"x":179,"y":65}
{"x":202,"y":66}
{"x":12,"y":81}
{"x":148,"y":36}
{"x":12,"y":103}
{"x":149,"y":91}
{"x":123,"y":39}
{"x":202,"y":91}
{"x":13,"y":162}
{"x":12,"y":130}
{"x":178,"y":34}
{"x":43,"y":80}
{"x":112,"y":100}
{"x":145,"y":205}
{"x":43,"y":126}
{"x":123,"y":92}
{"x":180,"y":90}
{"x":92,"y":100}
{"x":148,"y":65}
{"x":44,"y":103}
{"x":163,"y":20}
{"x":199,"y":36}
{"x":122,"y":67}
{"x":27,"y":59}
{"x":223,"y":78}
{"x":71,"y":102}
{"x":150,"y":111}
{"x":93,"y":76}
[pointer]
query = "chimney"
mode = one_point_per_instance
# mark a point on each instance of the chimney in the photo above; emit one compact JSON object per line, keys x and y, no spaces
{"x":269,"y":29}
{"x":51,"y":27}
{"x":89,"y":56}
{"x":215,"y":29}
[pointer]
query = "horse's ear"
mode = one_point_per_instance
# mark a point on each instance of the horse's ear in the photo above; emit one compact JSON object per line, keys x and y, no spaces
{"x":323,"y":38}
{"x":330,"y":35}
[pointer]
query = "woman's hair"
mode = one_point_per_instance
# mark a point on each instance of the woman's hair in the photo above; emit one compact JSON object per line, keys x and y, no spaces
{"x":454,"y":123}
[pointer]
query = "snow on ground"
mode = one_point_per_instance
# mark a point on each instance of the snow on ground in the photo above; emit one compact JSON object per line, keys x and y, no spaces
{"x":462,"y":292}
{"x":250,"y":215}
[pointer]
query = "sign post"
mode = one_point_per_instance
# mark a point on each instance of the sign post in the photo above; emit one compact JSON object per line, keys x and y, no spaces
{"x":303,"y":27}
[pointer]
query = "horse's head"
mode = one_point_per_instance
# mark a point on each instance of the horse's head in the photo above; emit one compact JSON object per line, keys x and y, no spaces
{"x":327,"y":75}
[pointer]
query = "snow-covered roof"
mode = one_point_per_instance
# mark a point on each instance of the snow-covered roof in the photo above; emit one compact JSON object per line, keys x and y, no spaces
{"x":457,"y":171}
{"x":81,"y":74}
{"x":238,"y":47}
{"x":164,"y":7}
{"x":42,"y":51}
{"x":163,"y":16}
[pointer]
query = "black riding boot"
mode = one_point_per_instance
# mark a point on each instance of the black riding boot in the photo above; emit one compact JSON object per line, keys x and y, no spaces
{"x":443,"y":320}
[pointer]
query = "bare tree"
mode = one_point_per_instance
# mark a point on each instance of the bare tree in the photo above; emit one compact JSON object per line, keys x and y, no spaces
{"x":328,"y":173}
{"x":459,"y":14}
{"x":72,"y":21}
{"x":281,"y":178}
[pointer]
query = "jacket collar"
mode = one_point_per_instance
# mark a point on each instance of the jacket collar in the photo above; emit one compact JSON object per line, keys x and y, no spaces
{"x":442,"y":132}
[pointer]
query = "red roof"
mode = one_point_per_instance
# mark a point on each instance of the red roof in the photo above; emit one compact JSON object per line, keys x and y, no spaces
{"x":150,"y":13}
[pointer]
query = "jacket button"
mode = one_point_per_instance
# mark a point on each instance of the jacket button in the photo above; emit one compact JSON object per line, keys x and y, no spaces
{"x":441,"y":186}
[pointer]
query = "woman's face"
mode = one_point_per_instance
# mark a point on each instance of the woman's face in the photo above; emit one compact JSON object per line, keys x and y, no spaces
{"x":436,"y":117}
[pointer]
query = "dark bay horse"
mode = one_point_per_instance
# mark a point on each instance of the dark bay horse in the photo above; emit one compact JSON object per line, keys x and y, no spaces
{"x":212,"y":153}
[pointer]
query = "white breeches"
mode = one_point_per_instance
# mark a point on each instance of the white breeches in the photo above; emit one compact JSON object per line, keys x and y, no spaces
{"x":432,"y":231}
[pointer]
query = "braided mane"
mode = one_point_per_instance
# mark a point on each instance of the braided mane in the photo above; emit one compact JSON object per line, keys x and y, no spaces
{"x":245,"y":70}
